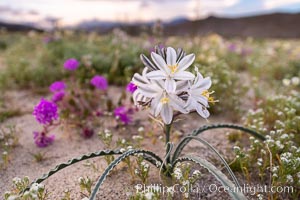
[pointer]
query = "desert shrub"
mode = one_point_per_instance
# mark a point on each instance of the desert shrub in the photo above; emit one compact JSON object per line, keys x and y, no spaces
{"x":40,"y":61}
{"x":277,"y":112}
{"x":278,"y":157}
{"x":8,"y":140}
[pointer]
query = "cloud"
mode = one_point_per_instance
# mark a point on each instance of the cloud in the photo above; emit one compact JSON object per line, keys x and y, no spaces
{"x":33,"y":12}
{"x":9,"y":10}
{"x":246,"y":7}
{"x":272,"y":4}
{"x":208,"y":4}
{"x":205,"y":8}
{"x":74,"y":11}
{"x":18,"y":15}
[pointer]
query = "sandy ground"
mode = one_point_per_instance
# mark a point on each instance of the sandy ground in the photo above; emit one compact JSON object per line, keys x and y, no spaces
{"x":69,"y":144}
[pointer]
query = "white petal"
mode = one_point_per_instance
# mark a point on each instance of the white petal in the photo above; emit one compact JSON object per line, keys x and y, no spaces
{"x":166,"y":114}
{"x":198,"y":78}
{"x":144,"y":71}
{"x":183,"y":75}
{"x":156,"y":105}
{"x":147,"y":91}
{"x":186,"y":62}
{"x":156,"y":75}
{"x":177,"y":103}
{"x":203,"y":112}
{"x":148,"y":63}
{"x":170,"y":85}
{"x":203,"y":83}
{"x":137,"y":79}
{"x":135,"y":96}
{"x":160,"y":62}
{"x":196,"y":91}
{"x":191,"y":104}
{"x":188,"y":105}
{"x":157,"y":109}
{"x":182,"y":86}
{"x":159,"y":83}
{"x":201,"y":99}
{"x":171,"y":56}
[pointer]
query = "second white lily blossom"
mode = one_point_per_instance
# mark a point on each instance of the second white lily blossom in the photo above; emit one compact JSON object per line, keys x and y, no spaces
{"x":166,"y":87}
{"x":198,"y":95}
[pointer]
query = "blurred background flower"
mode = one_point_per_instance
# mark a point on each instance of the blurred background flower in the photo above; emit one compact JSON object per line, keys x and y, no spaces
{"x":99,"y":82}
{"x":71,"y":64}
{"x":123,"y":114}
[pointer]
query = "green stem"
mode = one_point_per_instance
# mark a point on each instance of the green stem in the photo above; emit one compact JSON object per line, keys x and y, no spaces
{"x":167,"y":130}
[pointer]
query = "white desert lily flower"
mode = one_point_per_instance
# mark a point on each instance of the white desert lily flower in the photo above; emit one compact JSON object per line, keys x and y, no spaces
{"x":162,"y":102}
{"x":165,"y":86}
{"x":198,"y":95}
{"x":171,"y":69}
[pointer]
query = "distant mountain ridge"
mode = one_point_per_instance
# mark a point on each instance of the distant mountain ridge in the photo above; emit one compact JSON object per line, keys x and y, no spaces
{"x":276,"y":25}
{"x":18,"y":27}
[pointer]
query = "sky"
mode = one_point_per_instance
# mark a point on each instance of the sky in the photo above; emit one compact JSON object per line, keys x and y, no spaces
{"x":71,"y":12}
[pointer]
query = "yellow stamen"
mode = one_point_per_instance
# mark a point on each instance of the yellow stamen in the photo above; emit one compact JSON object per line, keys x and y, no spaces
{"x":173,"y":68}
{"x":212,"y":100}
{"x":207,"y":94}
{"x":164,"y":100}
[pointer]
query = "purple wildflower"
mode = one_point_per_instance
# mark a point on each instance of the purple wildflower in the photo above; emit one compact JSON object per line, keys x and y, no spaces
{"x":99,"y":82}
{"x":57,"y":86}
{"x":58,"y":96}
{"x":87,"y":132}
{"x":232,"y":47}
{"x":45,"y":112}
{"x":42,"y":140}
{"x":123,"y":114}
{"x":131,"y":87}
{"x":71,"y":64}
